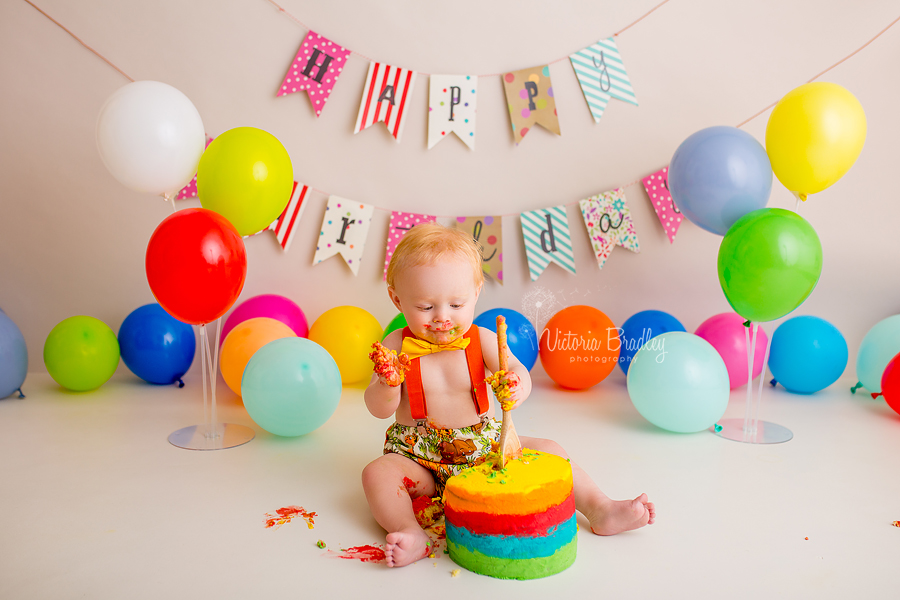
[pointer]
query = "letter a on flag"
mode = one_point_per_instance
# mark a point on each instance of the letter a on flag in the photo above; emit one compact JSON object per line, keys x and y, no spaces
{"x":316,"y":68}
{"x":547,"y":239}
{"x":386,"y":97}
{"x":608,"y":222}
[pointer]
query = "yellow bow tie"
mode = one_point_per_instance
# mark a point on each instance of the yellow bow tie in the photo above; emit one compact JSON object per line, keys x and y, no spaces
{"x":414,"y":347}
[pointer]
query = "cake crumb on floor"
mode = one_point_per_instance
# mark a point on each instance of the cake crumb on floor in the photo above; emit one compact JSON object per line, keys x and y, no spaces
{"x":454,"y":573}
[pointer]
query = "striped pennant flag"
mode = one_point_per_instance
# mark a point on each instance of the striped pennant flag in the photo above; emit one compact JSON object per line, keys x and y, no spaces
{"x":284,"y":226}
{"x":608,"y":222}
{"x":547,"y":239}
{"x":386,"y":97}
{"x":602,"y":76}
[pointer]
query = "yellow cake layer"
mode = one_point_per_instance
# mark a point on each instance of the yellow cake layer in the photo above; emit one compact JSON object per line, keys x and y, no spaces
{"x":528,"y":485}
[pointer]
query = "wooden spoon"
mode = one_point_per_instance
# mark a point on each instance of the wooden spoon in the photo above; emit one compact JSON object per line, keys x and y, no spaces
{"x":509,"y":444}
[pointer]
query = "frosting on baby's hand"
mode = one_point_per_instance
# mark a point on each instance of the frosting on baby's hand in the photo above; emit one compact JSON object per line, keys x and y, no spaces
{"x":390,"y":368}
{"x":504,"y":384}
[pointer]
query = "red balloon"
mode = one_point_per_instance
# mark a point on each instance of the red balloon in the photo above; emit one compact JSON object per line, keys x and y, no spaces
{"x":890,"y":384}
{"x":196,"y":265}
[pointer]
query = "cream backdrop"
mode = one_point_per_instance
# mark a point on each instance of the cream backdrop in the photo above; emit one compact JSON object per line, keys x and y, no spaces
{"x":73,"y":239}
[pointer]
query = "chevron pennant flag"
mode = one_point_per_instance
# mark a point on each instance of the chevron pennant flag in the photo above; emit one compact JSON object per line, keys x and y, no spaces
{"x":316,"y":68}
{"x":401,"y":222}
{"x":283,"y":227}
{"x":608,"y":222}
{"x":657,"y":186}
{"x":190,"y":190}
{"x":602,"y":76}
{"x":345,"y":227}
{"x":529,"y":96}
{"x":488,"y":232}
{"x":451,"y":108}
{"x":547,"y":239}
{"x":386,"y":97}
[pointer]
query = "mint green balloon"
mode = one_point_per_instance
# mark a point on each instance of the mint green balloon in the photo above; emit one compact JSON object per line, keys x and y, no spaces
{"x":81,"y":353}
{"x":398,"y":322}
{"x":678,"y":382}
{"x":769,"y":262}
{"x":881,"y":344}
{"x":291,"y":386}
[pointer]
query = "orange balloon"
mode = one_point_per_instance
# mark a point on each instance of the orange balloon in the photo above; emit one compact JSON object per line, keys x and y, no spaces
{"x":579,"y":347}
{"x":241,"y":344}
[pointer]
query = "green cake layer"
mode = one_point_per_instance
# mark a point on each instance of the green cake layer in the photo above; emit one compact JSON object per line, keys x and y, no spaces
{"x":522,"y":568}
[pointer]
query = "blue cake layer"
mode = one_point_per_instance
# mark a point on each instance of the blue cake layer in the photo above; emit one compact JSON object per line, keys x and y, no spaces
{"x":513,"y":547}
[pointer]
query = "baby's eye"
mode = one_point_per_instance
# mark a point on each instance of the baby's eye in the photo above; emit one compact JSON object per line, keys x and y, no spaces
{"x":425,"y":308}
{"x":460,"y":306}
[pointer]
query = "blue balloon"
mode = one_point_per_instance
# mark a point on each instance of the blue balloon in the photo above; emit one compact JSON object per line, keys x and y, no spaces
{"x":808,"y":354}
{"x":156,"y":346}
{"x":639,"y":329}
{"x":13,"y":357}
{"x":520,"y":334}
{"x":718,"y":175}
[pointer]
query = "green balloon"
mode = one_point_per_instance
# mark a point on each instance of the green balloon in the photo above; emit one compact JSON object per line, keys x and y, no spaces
{"x":81,"y":353}
{"x":769,"y":262}
{"x":398,"y":322}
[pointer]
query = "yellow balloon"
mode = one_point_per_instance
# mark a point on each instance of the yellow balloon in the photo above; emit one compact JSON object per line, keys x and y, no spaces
{"x":347,"y":333}
{"x":814,"y":136}
{"x":241,"y":344}
{"x":246,"y":176}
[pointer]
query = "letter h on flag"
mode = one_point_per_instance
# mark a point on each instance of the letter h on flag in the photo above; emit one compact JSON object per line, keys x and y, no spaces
{"x":547,"y":239}
{"x":316,"y":68}
{"x":386,"y":97}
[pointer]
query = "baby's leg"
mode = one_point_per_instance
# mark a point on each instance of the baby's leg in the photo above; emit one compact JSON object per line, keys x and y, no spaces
{"x":389,"y":482}
{"x":606,"y":516}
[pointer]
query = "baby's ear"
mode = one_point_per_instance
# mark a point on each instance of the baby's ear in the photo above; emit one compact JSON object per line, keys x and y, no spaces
{"x":392,"y":294}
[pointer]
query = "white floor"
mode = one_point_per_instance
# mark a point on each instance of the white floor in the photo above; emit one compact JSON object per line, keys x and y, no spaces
{"x":95,"y":503}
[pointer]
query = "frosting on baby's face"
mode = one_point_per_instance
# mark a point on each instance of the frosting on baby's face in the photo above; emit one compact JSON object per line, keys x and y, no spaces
{"x":438,"y":300}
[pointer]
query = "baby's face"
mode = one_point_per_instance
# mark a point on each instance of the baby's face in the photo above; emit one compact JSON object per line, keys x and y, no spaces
{"x":438,"y":300}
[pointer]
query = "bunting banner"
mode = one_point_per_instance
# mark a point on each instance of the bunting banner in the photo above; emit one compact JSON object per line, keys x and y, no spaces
{"x":316,"y":68}
{"x":386,"y":97}
{"x":547,"y":239}
{"x":657,"y":186}
{"x":345,"y":227}
{"x":601,"y":73}
{"x":190,"y":190}
{"x":488,"y":232}
{"x":529,"y":96}
{"x":283,"y":227}
{"x":608,"y":222}
{"x":451,"y":108}
{"x":401,"y":222}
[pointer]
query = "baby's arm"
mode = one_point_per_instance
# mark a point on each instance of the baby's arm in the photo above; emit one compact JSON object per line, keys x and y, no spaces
{"x":521,"y":389}
{"x":382,"y":399}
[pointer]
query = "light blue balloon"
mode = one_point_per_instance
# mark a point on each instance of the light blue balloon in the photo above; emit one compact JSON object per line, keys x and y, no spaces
{"x":880,"y":345}
{"x":808,"y":354}
{"x":678,"y":382}
{"x":291,"y":386}
{"x":13,"y":357}
{"x":718,"y":175}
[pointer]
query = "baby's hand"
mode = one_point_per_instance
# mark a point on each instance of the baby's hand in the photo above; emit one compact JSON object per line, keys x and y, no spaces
{"x":507,"y":389}
{"x":390,"y":368}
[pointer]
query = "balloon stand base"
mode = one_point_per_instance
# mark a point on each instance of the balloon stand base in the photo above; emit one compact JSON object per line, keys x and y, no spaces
{"x":199,"y":437}
{"x":766,"y":433}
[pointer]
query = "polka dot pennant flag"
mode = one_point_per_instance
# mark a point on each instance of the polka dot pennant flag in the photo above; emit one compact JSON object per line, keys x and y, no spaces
{"x":608,"y":222}
{"x":345,"y":227}
{"x":401,"y":222}
{"x":190,"y":190}
{"x":386,"y":97}
{"x":657,"y":186}
{"x":451,"y":108}
{"x":601,"y":73}
{"x":488,"y":232}
{"x":529,"y":97}
{"x":547,"y":239}
{"x":316,"y":68}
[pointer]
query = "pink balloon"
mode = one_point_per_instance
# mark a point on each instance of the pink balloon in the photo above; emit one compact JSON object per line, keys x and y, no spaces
{"x":272,"y":306}
{"x":726,"y":334}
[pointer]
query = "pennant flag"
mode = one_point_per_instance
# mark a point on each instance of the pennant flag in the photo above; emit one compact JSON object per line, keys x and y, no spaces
{"x":547,"y":239}
{"x":451,"y":108}
{"x":602,"y":76}
{"x":316,"y":68}
{"x":386,"y":97}
{"x":345,"y":227}
{"x":529,"y":95}
{"x":190,"y":190}
{"x":608,"y":222}
{"x":488,"y":232}
{"x":657,"y":186}
{"x":401,"y":222}
{"x":284,"y":225}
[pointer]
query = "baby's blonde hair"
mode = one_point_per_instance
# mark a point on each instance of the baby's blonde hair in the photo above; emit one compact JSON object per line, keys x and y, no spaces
{"x":425,"y":243}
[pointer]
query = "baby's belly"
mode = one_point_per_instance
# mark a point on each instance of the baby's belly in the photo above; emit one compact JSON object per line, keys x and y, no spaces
{"x":444,"y":411}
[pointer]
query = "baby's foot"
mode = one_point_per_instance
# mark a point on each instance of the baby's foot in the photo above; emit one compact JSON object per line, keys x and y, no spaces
{"x":616,"y":516}
{"x":405,"y":547}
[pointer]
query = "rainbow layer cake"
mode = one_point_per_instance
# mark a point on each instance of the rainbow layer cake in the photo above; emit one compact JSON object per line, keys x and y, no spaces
{"x":513,"y":523}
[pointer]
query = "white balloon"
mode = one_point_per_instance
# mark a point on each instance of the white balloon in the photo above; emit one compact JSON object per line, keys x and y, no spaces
{"x":150,"y":137}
